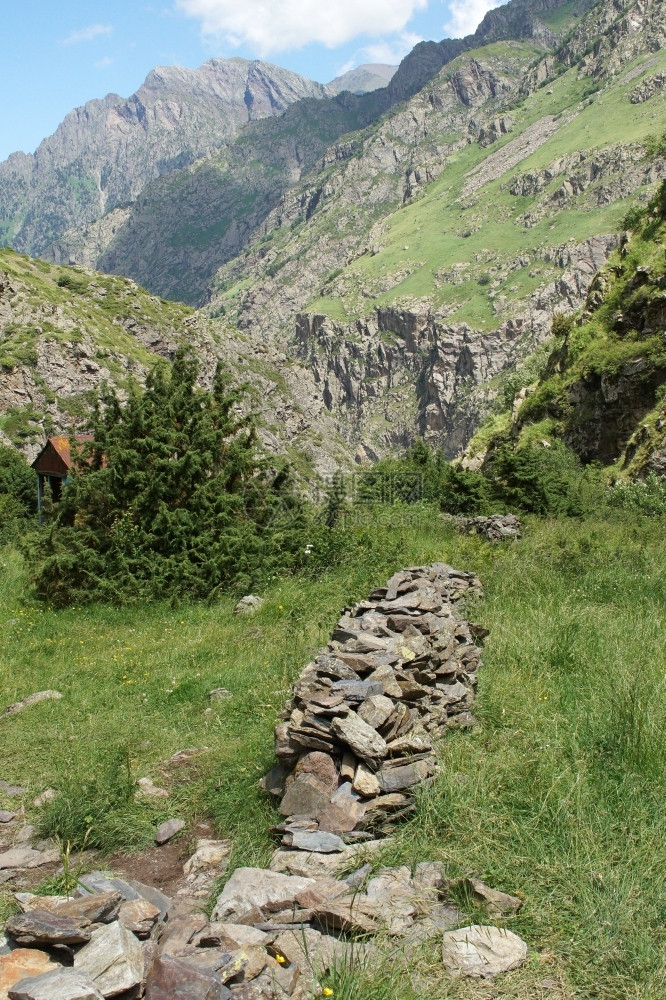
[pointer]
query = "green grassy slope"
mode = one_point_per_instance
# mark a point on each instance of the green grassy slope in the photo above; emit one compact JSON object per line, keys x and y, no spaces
{"x":441,"y":230}
{"x":602,"y":388}
{"x":72,"y":313}
{"x":559,"y":795}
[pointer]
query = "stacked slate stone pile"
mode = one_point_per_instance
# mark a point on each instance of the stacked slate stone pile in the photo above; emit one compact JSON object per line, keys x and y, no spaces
{"x":496,"y":528}
{"x":358,"y":737}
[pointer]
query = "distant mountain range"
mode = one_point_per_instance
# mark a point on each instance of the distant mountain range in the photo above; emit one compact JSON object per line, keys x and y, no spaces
{"x":379,"y":265}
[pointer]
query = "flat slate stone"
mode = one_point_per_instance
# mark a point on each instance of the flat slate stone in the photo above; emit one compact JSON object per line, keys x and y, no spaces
{"x":113,"y":960}
{"x":6,"y":816}
{"x":41,"y":927}
{"x":139,"y":916}
{"x":22,"y":963}
{"x":26,"y":857}
{"x":321,"y":843}
{"x":13,"y":791}
{"x":377,"y":709}
{"x":174,"y":979}
{"x":250,"y":887}
{"x":357,"y":690}
{"x":359,"y":736}
{"x":306,"y":796}
{"x":63,"y":984}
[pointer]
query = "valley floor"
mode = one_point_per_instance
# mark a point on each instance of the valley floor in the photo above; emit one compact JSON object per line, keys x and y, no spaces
{"x":559,"y":795}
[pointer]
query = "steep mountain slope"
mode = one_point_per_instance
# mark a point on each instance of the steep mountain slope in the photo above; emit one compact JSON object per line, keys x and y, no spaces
{"x":435,"y":254}
{"x":103,"y":154}
{"x":362,"y":79}
{"x":226,"y":197}
{"x":601,"y":388}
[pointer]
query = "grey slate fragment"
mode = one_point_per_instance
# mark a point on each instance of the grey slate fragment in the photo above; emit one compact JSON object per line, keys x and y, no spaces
{"x":40,"y":927}
{"x":167,"y":831}
{"x":6,"y":816}
{"x":359,"y":736}
{"x":113,"y":959}
{"x":320,"y":843}
{"x":358,"y":690}
{"x":307,"y":796}
{"x":62,"y":984}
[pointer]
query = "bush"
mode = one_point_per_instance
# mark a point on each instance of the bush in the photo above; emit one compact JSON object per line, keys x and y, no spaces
{"x":17,"y":479}
{"x":634,"y":217}
{"x":172,"y":499}
{"x":72,"y":283}
{"x":546,"y":481}
{"x":648,"y":497}
{"x":12,"y":519}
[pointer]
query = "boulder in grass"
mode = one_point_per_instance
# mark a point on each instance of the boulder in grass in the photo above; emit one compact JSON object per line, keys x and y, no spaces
{"x":249,"y":605}
{"x":482,"y":952}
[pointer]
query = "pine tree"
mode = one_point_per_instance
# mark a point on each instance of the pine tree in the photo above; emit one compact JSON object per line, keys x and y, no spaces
{"x":171,"y":499}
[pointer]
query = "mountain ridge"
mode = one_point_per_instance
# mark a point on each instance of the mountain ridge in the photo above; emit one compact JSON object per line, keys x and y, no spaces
{"x":385,"y":282}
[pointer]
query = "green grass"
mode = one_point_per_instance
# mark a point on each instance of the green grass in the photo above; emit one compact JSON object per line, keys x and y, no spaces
{"x":560,"y":794}
{"x":439,"y":230}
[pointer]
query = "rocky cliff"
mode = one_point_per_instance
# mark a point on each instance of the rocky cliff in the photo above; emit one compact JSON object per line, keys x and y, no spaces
{"x":103,"y":154}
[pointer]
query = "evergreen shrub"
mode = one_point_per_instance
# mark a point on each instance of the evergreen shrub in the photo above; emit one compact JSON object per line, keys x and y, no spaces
{"x":171,"y":499}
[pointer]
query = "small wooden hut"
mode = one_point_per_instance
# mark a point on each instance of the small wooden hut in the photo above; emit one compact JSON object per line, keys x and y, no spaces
{"x":53,"y":465}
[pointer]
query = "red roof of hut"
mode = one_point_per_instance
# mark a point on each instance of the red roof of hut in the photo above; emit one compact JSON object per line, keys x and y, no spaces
{"x":55,"y":458}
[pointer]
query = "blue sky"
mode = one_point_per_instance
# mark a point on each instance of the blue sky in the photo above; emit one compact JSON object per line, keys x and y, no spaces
{"x":58,"y":55}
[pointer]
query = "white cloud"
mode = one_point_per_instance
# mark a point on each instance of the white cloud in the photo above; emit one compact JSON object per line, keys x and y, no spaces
{"x":390,"y":51}
{"x":103,"y":63}
{"x":466,"y":16}
{"x":268,"y":26}
{"x":87,"y":34}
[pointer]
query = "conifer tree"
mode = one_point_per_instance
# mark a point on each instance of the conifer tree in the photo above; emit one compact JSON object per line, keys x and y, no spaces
{"x":170,"y":499}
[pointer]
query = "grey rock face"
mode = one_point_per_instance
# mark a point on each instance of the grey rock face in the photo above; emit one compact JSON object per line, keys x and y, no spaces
{"x":119,"y":146}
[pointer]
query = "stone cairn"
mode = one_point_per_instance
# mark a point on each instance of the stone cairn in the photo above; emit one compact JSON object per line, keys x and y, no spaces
{"x":496,"y":528}
{"x":353,"y":746}
{"x":356,"y":741}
